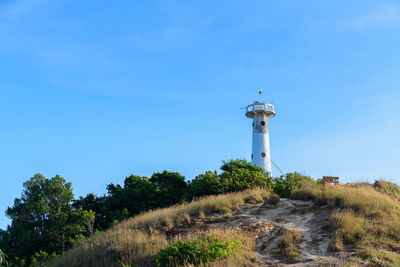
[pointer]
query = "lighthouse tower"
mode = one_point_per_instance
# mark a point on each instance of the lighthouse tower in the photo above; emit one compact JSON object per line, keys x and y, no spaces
{"x":260,"y":112}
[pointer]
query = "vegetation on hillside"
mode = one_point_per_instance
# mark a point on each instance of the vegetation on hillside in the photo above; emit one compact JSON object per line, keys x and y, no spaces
{"x":389,"y":188}
{"x":139,"y":193}
{"x":138,"y":241}
{"x":285,"y":184}
{"x":129,"y":225}
{"x":46,"y":220}
{"x":364,"y":218}
{"x":207,"y":248}
{"x":3,"y":258}
{"x":236,"y":175}
{"x":288,"y":245}
{"x":43,"y":219}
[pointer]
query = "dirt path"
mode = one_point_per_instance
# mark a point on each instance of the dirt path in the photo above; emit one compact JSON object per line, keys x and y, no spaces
{"x":268,"y":222}
{"x":299,"y":215}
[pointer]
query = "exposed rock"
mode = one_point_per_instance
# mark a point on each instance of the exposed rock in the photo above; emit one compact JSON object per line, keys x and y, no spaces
{"x":267,"y":223}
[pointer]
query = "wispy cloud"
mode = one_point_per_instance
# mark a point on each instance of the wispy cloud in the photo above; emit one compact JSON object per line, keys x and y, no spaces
{"x":384,"y":15}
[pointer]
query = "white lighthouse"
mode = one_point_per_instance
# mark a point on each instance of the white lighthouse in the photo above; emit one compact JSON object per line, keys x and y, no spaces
{"x":260,"y":112}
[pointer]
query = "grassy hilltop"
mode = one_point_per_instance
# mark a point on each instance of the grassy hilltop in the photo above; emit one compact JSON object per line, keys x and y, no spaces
{"x":364,"y":220}
{"x":365,"y":216}
{"x":236,"y":217}
{"x":137,"y":241}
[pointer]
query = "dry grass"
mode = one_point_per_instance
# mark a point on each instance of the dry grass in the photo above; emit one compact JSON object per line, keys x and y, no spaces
{"x":288,"y":246}
{"x":164,"y":219}
{"x":365,"y":218}
{"x":388,"y":188}
{"x":136,"y":241}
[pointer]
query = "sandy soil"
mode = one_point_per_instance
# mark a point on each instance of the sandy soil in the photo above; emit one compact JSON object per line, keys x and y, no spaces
{"x":267,"y":223}
{"x":302,"y":216}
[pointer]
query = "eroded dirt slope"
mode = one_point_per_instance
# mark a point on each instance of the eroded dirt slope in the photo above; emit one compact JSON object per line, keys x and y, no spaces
{"x":267,"y":223}
{"x":298,"y":215}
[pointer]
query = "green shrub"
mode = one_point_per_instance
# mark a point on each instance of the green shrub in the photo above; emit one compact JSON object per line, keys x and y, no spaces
{"x":203,"y":250}
{"x":237,"y":175}
{"x":3,"y":257}
{"x":206,"y":184}
{"x":39,"y":258}
{"x":285,"y":184}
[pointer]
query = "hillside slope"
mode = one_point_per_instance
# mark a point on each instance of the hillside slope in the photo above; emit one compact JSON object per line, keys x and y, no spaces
{"x":355,"y":224}
{"x":137,"y":241}
{"x":365,"y":219}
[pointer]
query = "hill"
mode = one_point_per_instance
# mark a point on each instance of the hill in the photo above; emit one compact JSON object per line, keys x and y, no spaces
{"x":364,"y":219}
{"x":352,"y":224}
{"x":136,"y":241}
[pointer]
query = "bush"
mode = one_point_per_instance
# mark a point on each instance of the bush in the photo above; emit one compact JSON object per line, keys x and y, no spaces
{"x":39,"y":258}
{"x":203,"y":250}
{"x":237,"y":175}
{"x":2,"y":258}
{"x":206,"y":184}
{"x":284,"y":185}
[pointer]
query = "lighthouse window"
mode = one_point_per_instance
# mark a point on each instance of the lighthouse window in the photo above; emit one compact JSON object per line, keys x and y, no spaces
{"x":251,"y":156}
{"x":262,"y":123}
{"x":263,"y":155}
{"x":253,"y":124}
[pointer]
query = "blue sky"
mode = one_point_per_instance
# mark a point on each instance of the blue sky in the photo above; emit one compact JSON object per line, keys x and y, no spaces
{"x":97,"y":90}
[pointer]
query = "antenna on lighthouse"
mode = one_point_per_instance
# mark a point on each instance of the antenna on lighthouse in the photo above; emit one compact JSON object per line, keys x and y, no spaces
{"x":260,"y":93}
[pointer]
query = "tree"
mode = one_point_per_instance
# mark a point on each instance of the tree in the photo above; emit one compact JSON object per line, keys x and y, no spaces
{"x":206,"y":184}
{"x":170,"y":187}
{"x":97,"y":205}
{"x":237,"y":175}
{"x":138,"y":194}
{"x":88,"y":218}
{"x":285,"y":184}
{"x":43,"y":218}
{"x":3,"y":257}
{"x":4,"y":243}
{"x":237,"y":164}
{"x":240,"y":174}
